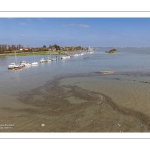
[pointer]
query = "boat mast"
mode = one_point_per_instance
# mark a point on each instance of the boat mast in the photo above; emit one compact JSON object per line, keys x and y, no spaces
{"x":15,"y":58}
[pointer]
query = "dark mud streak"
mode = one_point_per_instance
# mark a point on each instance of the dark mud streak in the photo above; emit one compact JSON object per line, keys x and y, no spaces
{"x":126,"y":111}
{"x":98,"y":96}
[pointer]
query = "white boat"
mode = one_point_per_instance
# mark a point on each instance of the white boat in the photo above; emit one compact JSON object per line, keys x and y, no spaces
{"x":64,"y":57}
{"x":28,"y":65}
{"x":68,"y":56}
{"x":34,"y":63}
{"x":17,"y":67}
{"x":48,"y":59}
{"x":42,"y":60}
{"x":90,"y":50}
{"x":76,"y":54}
{"x":82,"y":54}
{"x":25,"y":64}
{"x":22,"y":62}
{"x":54,"y":59}
{"x":11,"y":66}
{"x":14,"y":65}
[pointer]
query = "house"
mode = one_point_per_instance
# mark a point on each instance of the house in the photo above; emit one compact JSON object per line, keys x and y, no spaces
{"x":25,"y":49}
{"x":52,"y":49}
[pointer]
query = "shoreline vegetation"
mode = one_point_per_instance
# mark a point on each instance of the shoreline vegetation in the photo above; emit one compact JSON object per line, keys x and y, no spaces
{"x":9,"y":50}
{"x":111,"y":51}
{"x":35,"y":53}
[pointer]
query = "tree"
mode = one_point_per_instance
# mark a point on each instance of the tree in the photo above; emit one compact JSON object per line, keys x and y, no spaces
{"x":56,"y":46}
{"x":44,"y":48}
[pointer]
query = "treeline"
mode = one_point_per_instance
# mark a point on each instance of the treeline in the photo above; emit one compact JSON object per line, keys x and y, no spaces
{"x":4,"y":48}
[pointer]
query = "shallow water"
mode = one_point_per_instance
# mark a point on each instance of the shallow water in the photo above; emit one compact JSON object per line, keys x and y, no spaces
{"x":73,"y":96}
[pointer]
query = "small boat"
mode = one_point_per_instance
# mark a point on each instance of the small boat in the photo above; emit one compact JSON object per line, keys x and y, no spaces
{"x":11,"y":66}
{"x":90,"y":50}
{"x":64,"y":57}
{"x":17,"y":67}
{"x":48,"y":59}
{"x":68,"y":56}
{"x":76,"y":54}
{"x":28,"y":65}
{"x":25,"y":64}
{"x":42,"y":60}
{"x":54,"y":59}
{"x":14,"y":66}
{"x":34,"y":63}
{"x":22,"y":62}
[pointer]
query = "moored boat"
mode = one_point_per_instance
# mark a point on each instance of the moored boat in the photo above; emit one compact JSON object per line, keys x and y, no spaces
{"x":17,"y":67}
{"x":23,"y":63}
{"x":48,"y":59}
{"x":42,"y":60}
{"x":34,"y":63}
{"x":11,"y":66}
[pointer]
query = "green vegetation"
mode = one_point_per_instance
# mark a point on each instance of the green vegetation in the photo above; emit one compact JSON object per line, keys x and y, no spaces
{"x":35,"y":53}
{"x":56,"y":47}
{"x":112,"y":51}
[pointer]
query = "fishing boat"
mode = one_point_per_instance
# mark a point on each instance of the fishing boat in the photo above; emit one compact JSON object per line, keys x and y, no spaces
{"x":42,"y":60}
{"x":11,"y":66}
{"x":54,"y":59}
{"x":48,"y":59}
{"x":64,"y":57}
{"x":76,"y":54}
{"x":90,"y":50}
{"x":15,"y":65}
{"x":25,"y":64}
{"x":28,"y":65}
{"x":34,"y":63}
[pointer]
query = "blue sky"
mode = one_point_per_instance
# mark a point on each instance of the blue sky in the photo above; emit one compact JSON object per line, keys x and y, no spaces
{"x":98,"y":32}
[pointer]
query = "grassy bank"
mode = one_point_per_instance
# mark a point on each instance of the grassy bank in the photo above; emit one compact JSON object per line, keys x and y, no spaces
{"x":34,"y":53}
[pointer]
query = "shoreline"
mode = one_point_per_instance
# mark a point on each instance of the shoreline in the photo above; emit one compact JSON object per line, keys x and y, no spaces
{"x":31,"y":53}
{"x":38,"y":53}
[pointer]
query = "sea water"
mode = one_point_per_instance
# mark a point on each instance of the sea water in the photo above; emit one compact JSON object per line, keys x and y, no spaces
{"x":128,"y":87}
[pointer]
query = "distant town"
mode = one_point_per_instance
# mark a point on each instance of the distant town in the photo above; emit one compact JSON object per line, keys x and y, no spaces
{"x":4,"y":48}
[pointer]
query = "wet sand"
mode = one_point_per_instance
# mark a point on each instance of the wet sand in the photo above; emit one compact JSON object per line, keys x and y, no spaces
{"x":65,"y":104}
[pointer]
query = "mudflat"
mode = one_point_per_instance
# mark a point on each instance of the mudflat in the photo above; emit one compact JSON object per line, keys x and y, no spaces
{"x":60,"y":106}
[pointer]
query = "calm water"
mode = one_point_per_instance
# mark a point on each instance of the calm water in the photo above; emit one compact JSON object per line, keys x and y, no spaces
{"x":129,"y":87}
{"x":28,"y":78}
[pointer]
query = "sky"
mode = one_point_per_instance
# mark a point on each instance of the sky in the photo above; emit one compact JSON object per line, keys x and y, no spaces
{"x":94,"y":32}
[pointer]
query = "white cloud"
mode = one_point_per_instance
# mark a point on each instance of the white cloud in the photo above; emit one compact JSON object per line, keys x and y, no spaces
{"x":84,"y":26}
{"x":22,"y":23}
{"x":77,"y":25}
